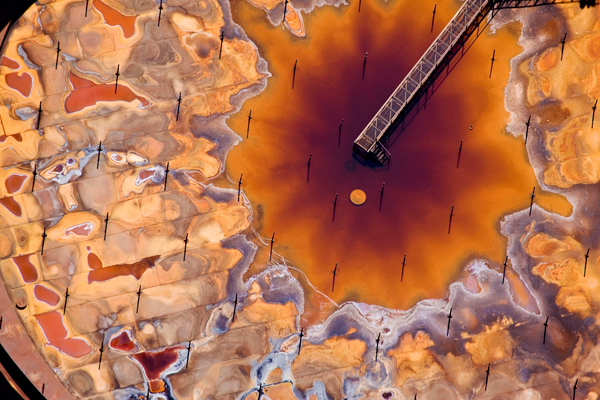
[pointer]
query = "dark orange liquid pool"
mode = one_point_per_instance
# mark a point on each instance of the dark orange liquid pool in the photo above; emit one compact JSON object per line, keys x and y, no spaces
{"x":115,"y":18}
{"x":87,"y":93}
{"x":422,"y":182}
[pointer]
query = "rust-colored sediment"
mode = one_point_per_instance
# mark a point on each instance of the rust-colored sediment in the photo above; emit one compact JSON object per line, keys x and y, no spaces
{"x":87,"y":93}
{"x":26,"y":268}
{"x":115,"y":18}
{"x":135,"y":269}
{"x":48,"y":296}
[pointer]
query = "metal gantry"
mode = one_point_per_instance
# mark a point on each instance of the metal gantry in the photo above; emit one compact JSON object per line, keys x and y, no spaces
{"x":472,"y":12}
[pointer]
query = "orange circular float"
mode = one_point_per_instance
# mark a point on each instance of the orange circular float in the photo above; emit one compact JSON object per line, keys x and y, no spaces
{"x":358,"y":197}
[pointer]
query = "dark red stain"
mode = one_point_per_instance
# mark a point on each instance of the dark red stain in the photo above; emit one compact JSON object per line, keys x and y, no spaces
{"x":48,"y":296}
{"x":87,"y":93}
{"x":9,"y":62}
{"x":94,"y":261}
{"x":122,"y":342}
{"x":115,"y":18}
{"x":23,"y":82}
{"x":135,"y":269}
{"x":156,"y":362}
{"x":81,"y":229}
{"x":145,"y":174}
{"x":16,"y":136}
{"x":26,"y":268}
{"x":14,"y":183}
{"x":11,"y":205}
{"x":52,"y":325}
{"x":73,"y":347}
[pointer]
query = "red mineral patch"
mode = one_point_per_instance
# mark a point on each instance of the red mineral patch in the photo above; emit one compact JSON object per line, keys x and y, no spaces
{"x":48,"y":296}
{"x":14,"y":182}
{"x":52,"y":326}
{"x":26,"y":268}
{"x":156,"y":362}
{"x":23,"y":83}
{"x":81,"y":229}
{"x":94,"y":261}
{"x":11,"y":205}
{"x":145,"y":174}
{"x":73,"y":347}
{"x":115,"y":18}
{"x":9,"y":62}
{"x":136,"y":269}
{"x":16,"y":136}
{"x":87,"y":93}
{"x":122,"y":342}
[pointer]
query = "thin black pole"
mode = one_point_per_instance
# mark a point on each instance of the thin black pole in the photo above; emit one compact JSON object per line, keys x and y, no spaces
{"x":359,"y":1}
{"x":340,"y":133}
{"x":160,"y":8}
{"x":308,"y":168}
{"x":100,"y":359}
{"x":450,"y":222}
{"x":459,"y":153}
{"x":575,"y":388}
{"x":34,"y":175}
{"x":593,"y":112}
{"x":433,"y":18}
{"x":334,"y":206}
{"x":260,"y":392}
{"x":272,"y":241}
{"x":562,"y":50}
{"x":235,"y":303}
{"x":105,"y":226}
{"x":139,"y":293}
{"x":504,"y":272}
{"x":187,"y":357}
{"x":117,"y":79}
{"x":403,"y":265}
{"x":178,"y":106}
{"x":527,"y":130}
{"x":365,"y":64}
{"x":449,"y":318}
{"x":377,"y":346}
{"x":99,"y":151}
{"x":240,"y":187}
{"x":532,"y":197}
{"x":43,"y":239}
{"x":381,"y":195}
{"x":57,"y":54}
{"x":586,"y":260}
{"x":284,"y":11}
{"x":248,"y":128}
{"x":221,"y":48}
{"x":166,"y":176}
{"x":334,"y":273}
{"x":39,"y":116}
{"x":294,"y":74}
{"x":301,"y":335}
{"x":66,"y":298}
{"x":185,"y":242}
{"x":545,"y":327}
{"x":86,"y":7}
{"x":493,"y":59}
{"x":487,"y":377}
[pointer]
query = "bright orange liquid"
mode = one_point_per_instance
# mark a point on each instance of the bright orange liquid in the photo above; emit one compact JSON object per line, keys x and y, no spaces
{"x":422,"y":182}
